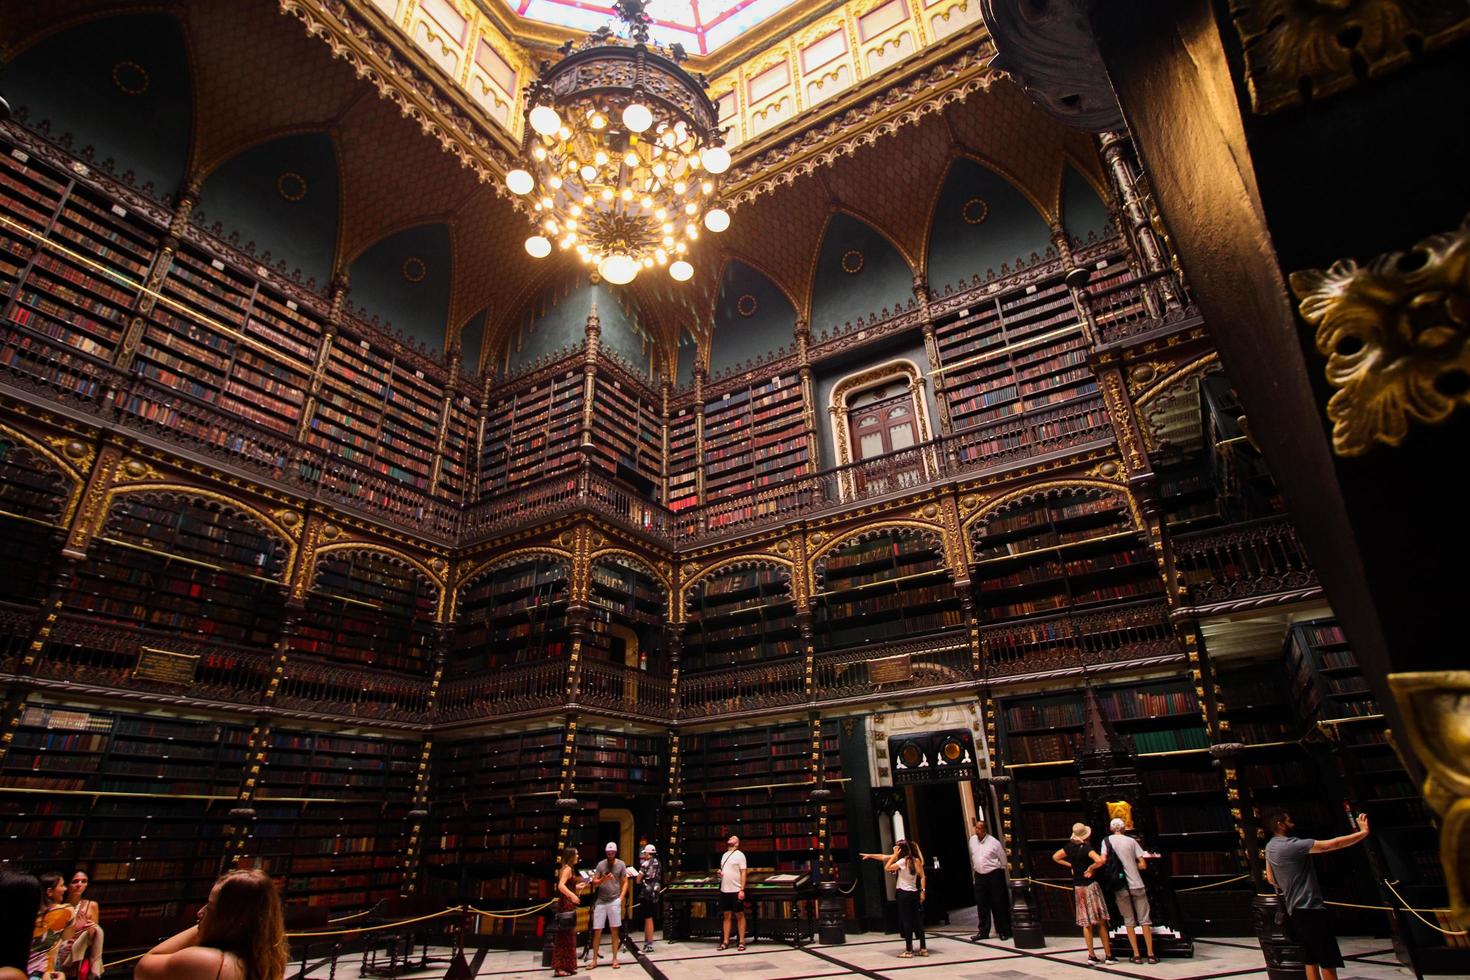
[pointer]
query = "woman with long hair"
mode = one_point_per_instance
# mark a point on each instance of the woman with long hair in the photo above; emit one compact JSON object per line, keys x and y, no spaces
{"x":52,"y":928}
{"x":241,"y":935}
{"x":81,"y":958}
{"x":1091,"y":907}
{"x":907,"y":862}
{"x":20,"y":903}
{"x":564,"y":946}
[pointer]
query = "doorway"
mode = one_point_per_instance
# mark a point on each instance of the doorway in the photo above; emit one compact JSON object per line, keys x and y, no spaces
{"x":936,"y":817}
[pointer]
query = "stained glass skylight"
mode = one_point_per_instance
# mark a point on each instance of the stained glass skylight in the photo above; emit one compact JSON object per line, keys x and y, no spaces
{"x":700,"y":25}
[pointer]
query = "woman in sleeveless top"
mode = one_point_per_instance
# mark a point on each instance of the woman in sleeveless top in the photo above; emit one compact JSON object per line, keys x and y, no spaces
{"x":907,"y":862}
{"x":564,"y":946}
{"x":81,"y":957}
{"x":240,"y":936}
{"x":1078,"y":856}
{"x":53,"y":927}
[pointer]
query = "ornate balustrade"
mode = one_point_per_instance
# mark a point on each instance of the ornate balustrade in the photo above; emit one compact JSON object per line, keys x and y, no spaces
{"x":1067,"y":642}
{"x":16,"y":624}
{"x":524,"y":687}
{"x":310,"y":686}
{"x":619,"y":687}
{"x":770,"y":684}
{"x":929,"y":663}
{"x":1244,"y":566}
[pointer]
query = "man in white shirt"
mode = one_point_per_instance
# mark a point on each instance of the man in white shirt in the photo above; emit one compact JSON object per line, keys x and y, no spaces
{"x":1133,"y":900}
{"x":992,"y":897}
{"x":733,"y":870}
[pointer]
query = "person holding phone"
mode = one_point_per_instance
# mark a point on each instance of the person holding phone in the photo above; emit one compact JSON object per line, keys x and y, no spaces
{"x":1290,"y":871}
{"x":610,"y":884}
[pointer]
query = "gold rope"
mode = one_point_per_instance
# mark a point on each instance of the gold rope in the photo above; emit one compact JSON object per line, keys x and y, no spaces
{"x":385,"y":925}
{"x":1213,"y":884}
{"x":510,"y":915}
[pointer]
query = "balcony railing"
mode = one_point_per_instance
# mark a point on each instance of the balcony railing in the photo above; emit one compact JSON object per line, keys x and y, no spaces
{"x":1120,"y":634}
{"x":524,"y":687}
{"x":341,"y":690}
{"x":1134,"y":307}
{"x":770,"y":684}
{"x":1245,"y":565}
{"x":934,"y":662}
{"x":622,"y":688}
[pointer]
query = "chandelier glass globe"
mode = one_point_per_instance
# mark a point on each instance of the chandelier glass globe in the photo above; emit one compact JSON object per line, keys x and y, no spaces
{"x":621,"y":154}
{"x":539,"y":246}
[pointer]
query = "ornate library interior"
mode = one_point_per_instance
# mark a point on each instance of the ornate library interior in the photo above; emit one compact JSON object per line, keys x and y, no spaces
{"x":436,"y":434}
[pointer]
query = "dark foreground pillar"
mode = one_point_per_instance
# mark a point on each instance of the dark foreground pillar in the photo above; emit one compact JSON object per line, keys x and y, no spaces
{"x":1283,"y":955}
{"x":831,"y":915}
{"x":1025,"y":917}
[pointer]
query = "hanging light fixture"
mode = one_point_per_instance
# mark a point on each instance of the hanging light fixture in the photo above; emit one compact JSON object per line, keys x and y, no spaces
{"x":622,"y":155}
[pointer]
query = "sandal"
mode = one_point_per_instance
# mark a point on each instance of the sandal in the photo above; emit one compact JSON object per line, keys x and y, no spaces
{"x":722,"y":947}
{"x":1154,"y":960}
{"x":906,"y":955}
{"x":740,"y":948}
{"x":924,"y":952}
{"x":1135,"y":959}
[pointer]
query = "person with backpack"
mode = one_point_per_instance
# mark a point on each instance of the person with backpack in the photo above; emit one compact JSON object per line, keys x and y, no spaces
{"x":1121,"y":874}
{"x":1091,"y":908}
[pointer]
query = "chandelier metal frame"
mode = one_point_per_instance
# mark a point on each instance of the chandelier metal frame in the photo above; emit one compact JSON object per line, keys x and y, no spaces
{"x":622,"y":154}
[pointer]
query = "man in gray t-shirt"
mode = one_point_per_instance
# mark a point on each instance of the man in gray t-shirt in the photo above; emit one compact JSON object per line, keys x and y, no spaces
{"x":610,"y":879}
{"x":1289,"y":868}
{"x":1132,"y":900}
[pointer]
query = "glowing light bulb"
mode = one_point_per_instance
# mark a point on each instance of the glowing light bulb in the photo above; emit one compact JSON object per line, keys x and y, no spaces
{"x":544,"y":120}
{"x":680,"y":187}
{"x":599,"y":121}
{"x":681,"y":271}
{"x":630,"y":159}
{"x":607,"y":194}
{"x":554,"y":181}
{"x":647,"y":202}
{"x":647,"y":262}
{"x":659,"y":170}
{"x":576,"y":210}
{"x":618,"y":269}
{"x":571,"y":224}
{"x":539,"y":153}
{"x":660,"y":255}
{"x":717,"y":220}
{"x":691,"y":208}
{"x":637,"y":118}
{"x":716,"y":159}
{"x":520,"y":182}
{"x":691,"y":231}
{"x":582,"y":248}
{"x":589,"y":172}
{"x":669,"y":240}
{"x":668,"y":226}
{"x":569,"y":241}
{"x":546,"y":202}
{"x":600,"y":158}
{"x":708,"y":187}
{"x":627,"y":194}
{"x":551,"y":225}
{"x":538,"y":246}
{"x":681,"y":248}
{"x":660,"y":214}
{"x":564,"y":133}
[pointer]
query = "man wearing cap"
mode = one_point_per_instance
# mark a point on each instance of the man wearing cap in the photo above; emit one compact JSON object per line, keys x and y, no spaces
{"x":733,"y":870}
{"x":610,"y":882}
{"x":988,"y":867}
{"x":650,"y":885}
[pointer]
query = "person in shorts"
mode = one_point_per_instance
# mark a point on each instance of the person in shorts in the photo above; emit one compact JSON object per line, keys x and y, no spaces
{"x":733,"y":869}
{"x":1133,"y":900}
{"x":1289,"y":870}
{"x":610,"y":885}
{"x":650,"y":886}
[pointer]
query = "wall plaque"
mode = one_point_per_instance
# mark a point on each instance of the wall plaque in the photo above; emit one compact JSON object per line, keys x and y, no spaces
{"x":891,"y":670}
{"x":166,"y":667}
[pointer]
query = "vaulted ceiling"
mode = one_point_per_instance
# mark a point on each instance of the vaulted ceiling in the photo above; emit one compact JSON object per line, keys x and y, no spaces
{"x":257,"y":75}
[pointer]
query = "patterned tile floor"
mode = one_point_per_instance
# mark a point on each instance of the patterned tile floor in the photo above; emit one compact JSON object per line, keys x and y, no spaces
{"x":876,"y":957}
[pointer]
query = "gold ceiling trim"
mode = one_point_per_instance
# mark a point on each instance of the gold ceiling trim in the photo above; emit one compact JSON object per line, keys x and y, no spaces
{"x":402,"y":75}
{"x":889,"y":102}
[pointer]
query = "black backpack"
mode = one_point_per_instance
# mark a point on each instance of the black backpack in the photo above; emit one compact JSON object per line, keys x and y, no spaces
{"x":1113,"y":875}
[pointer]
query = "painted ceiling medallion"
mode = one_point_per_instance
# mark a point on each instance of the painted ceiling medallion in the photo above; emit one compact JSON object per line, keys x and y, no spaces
{"x":745,"y":305}
{"x":414,"y":269}
{"x":852,"y":262}
{"x":622,"y":155}
{"x":975,"y":211}
{"x":291,"y":186}
{"x":130,"y":78}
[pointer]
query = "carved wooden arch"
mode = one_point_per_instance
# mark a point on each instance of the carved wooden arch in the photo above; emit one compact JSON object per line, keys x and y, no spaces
{"x":636,"y":559}
{"x":270,"y":525}
{"x":72,"y":478}
{"x":957,"y":154}
{"x":1042,"y":490}
{"x":468,"y":578}
{"x":753,"y":560}
{"x":932,"y":532}
{"x":868,"y":377}
{"x":1158,"y":390}
{"x":395,"y":557}
{"x":809,"y":285}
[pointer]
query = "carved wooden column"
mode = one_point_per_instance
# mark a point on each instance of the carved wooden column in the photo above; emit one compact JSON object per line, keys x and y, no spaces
{"x":589,"y":382}
{"x":418,"y":815}
{"x":665,"y":392}
{"x":337,"y":299}
{"x":701,"y":379}
{"x":566,"y":801}
{"x":163,"y":259}
{"x":1117,"y":154}
{"x":931,"y":353}
{"x":803,"y":334}
{"x":446,"y":413}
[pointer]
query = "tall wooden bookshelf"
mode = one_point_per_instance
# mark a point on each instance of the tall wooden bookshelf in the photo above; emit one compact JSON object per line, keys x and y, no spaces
{"x":741,"y":615}
{"x":629,"y":443}
{"x":140,"y":801}
{"x":625,"y":595}
{"x":1185,"y":815}
{"x":891,"y":584}
{"x":514,"y":612}
{"x":683,"y":491}
{"x":754,"y":438}
{"x":332,"y":815}
{"x":33,"y":496}
{"x":1067,"y":549}
{"x":367,"y":610}
{"x":532,"y":432}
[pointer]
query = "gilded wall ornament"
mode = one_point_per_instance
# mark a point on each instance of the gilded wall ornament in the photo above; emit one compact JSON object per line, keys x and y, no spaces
{"x":975,"y":211}
{"x":130,"y":78}
{"x":291,"y":186}
{"x":1436,"y":710}
{"x":1297,"y":50}
{"x":1396,"y":334}
{"x":414,"y":269}
{"x":852,"y":262}
{"x":746,"y":305}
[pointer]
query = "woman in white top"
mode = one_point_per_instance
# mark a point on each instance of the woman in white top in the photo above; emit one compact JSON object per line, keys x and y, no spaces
{"x":908,"y":863}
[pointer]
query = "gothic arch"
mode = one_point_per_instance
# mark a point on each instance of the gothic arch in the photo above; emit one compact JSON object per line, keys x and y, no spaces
{"x":266,"y":523}
{"x":72,"y":479}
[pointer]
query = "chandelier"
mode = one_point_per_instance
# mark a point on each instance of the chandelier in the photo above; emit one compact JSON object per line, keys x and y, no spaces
{"x":622,"y":157}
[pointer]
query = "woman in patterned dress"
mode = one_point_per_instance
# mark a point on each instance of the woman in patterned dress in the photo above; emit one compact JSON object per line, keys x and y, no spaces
{"x":564,"y":946}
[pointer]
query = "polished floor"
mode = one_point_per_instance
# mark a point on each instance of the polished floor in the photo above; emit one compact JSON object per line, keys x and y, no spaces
{"x":952,"y":955}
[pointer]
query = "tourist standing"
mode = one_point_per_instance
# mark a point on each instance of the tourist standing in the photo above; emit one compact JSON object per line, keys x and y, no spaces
{"x":81,"y":958}
{"x":564,"y":946}
{"x":52,"y":927}
{"x":733,"y":872}
{"x":650,"y":887}
{"x":907,"y":863}
{"x":1289,"y":869}
{"x":241,"y":935}
{"x":1092,"y":909}
{"x":988,"y":868}
{"x":1133,"y":898}
{"x":610,"y":879}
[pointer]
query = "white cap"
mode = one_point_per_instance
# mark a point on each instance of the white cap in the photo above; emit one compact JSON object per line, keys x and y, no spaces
{"x":649,"y":849}
{"x":1117,"y":825}
{"x":611,"y":846}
